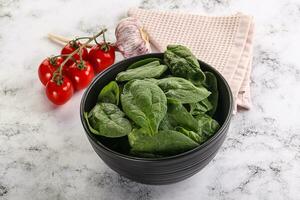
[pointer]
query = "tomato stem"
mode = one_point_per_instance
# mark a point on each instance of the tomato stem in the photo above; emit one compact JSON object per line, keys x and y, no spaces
{"x":69,"y":56}
{"x":96,"y":42}
{"x":58,"y":79}
{"x":81,"y":65}
{"x":61,"y":55}
{"x":81,"y":38}
{"x":74,"y":44}
{"x":105,"y":46}
{"x":52,"y":60}
{"x":80,"y":55}
{"x":73,"y":59}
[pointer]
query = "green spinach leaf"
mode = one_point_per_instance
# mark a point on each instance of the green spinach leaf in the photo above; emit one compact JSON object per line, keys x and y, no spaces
{"x":143,"y":62}
{"x":108,"y":120}
{"x":177,"y":115}
{"x":212,"y":85}
{"x":200,"y":107}
{"x":144,"y":103}
{"x":183,"y":63}
{"x":182,"y":90}
{"x":86,"y":114}
{"x":110,"y":93}
{"x":151,"y":70}
{"x":166,"y":124}
{"x":207,"y":125}
{"x":164,"y":142}
{"x":199,"y":138}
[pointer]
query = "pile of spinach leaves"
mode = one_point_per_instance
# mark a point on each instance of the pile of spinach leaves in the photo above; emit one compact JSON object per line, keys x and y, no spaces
{"x":163,"y":107}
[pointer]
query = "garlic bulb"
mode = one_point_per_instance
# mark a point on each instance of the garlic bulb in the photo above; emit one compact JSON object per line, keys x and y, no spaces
{"x":132,"y":40}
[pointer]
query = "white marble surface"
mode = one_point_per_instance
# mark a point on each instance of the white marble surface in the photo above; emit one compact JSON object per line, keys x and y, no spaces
{"x":44,"y":153}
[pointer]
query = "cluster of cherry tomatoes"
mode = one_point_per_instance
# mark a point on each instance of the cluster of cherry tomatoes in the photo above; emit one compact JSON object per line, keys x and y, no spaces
{"x":66,"y":73}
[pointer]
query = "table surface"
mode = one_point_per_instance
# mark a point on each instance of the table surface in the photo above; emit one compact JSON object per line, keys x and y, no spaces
{"x":44,"y":153}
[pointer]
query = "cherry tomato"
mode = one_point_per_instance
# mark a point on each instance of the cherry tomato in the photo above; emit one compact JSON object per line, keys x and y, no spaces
{"x":81,"y":74}
{"x":47,"y":68}
{"x":59,"y":92}
{"x":102,"y":56}
{"x":72,"y":46}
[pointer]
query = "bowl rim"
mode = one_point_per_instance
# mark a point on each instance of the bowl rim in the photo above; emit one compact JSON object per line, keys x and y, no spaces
{"x":140,"y":159}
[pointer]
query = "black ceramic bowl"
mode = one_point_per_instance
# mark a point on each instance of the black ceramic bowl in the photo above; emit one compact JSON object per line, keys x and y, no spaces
{"x":156,"y":171}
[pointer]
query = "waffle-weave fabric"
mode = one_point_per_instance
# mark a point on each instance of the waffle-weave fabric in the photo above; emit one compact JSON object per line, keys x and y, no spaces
{"x":224,"y":42}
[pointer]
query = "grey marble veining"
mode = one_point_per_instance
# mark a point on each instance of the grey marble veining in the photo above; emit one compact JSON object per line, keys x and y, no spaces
{"x":44,"y":153}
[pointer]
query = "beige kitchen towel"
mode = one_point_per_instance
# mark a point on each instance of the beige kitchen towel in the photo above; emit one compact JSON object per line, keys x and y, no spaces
{"x":224,"y":42}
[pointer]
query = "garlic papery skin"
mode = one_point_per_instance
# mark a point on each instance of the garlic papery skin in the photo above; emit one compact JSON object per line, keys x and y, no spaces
{"x":132,"y":40}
